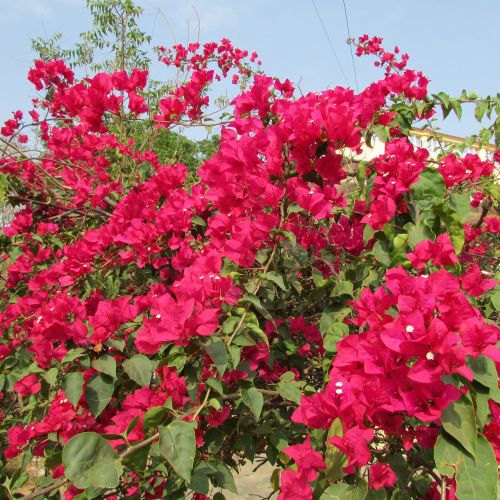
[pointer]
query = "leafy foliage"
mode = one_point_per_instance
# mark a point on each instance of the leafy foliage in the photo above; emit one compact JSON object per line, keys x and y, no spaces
{"x":170,"y":312}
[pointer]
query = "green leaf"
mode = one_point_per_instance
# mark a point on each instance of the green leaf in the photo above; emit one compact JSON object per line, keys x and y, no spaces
{"x":460,"y":203}
{"x":377,"y":494}
{"x":217,"y":351}
{"x":429,"y":190}
{"x":344,"y":491}
{"x":318,"y":279}
{"x":294,"y":208}
{"x":276,"y":278}
{"x":89,"y":460}
{"x":458,"y":420}
{"x":215,"y":403}
{"x":330,"y":317}
{"x":447,"y":455}
{"x":4,"y":185}
{"x":418,"y":232}
{"x":481,"y":403}
{"x":119,"y":344}
{"x":154,"y":417}
{"x":230,"y":324}
{"x":132,"y":425}
{"x":57,"y":242}
{"x":223,"y":477}
{"x":200,"y":477}
{"x":138,"y":459}
{"x":290,"y":391}
{"x":361,"y":173}
{"x":105,"y":364}
{"x":243,"y":339}
{"x":447,"y":215}
{"x":53,"y":460}
{"x":399,"y":465}
{"x":139,"y":368}
{"x":262,"y":255}
{"x":484,"y":370}
{"x":198,"y":221}
{"x":287,"y":376}
{"x":214,"y":438}
{"x":382,"y":132}
{"x":73,"y":354}
{"x":235,"y":352}
{"x":290,"y":237}
{"x":381,"y":252}
{"x":259,"y":333}
{"x":399,"y":242}
{"x":254,"y":400}
{"x":72,"y":386}
{"x":342,"y":288}
{"x":457,"y":234}
{"x":335,"y":460}
{"x":257,"y":304}
{"x":476,"y":478}
{"x":443,"y":98}
{"x":280,"y":439}
{"x":50,"y":376}
{"x":99,"y":392}
{"x":495,"y":300}
{"x":178,"y":446}
{"x":457,"y":108}
{"x":333,"y":335}
{"x":367,"y":233}
{"x":216,"y":385}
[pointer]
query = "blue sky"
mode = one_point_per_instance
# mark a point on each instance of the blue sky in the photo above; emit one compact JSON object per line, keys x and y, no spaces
{"x":454,"y":42}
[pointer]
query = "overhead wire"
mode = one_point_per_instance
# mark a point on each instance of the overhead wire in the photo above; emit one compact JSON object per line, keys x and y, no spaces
{"x":350,"y":41}
{"x":330,"y":43}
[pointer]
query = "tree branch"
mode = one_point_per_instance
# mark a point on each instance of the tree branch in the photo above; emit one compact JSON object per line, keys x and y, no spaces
{"x":54,"y":486}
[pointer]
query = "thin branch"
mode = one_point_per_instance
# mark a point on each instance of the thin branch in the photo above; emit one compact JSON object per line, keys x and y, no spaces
{"x":485,"y":208}
{"x":205,"y":401}
{"x":236,"y":395}
{"x":41,"y":492}
{"x":140,"y":445}
{"x":257,"y":288}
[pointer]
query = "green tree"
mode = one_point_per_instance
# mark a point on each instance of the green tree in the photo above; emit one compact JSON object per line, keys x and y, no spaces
{"x":116,"y":42}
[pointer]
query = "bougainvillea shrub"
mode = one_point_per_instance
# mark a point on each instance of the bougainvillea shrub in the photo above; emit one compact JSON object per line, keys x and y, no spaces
{"x":332,"y":316}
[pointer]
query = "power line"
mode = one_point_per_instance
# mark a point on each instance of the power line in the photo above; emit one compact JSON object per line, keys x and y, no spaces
{"x":330,"y":42}
{"x":350,"y":41}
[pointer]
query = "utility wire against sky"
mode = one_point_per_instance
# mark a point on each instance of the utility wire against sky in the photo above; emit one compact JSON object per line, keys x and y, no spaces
{"x":330,"y":42}
{"x":350,"y":41}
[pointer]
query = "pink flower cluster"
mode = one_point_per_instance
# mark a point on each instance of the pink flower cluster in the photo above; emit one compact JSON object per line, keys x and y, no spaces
{"x":412,"y":331}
